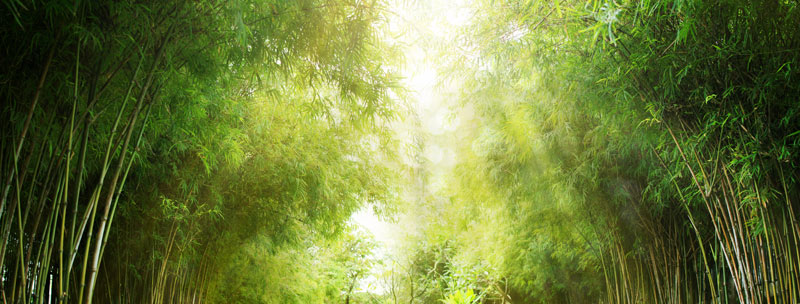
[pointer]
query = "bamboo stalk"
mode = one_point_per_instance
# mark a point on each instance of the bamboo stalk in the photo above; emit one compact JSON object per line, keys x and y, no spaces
{"x":26,"y":125}
{"x":106,"y":209}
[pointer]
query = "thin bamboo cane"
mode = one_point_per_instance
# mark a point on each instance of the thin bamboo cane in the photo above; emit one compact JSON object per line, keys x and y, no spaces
{"x":23,"y":133}
{"x":106,"y":209}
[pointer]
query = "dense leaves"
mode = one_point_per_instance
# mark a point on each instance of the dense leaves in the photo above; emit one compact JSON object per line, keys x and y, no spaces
{"x":171,"y":139}
{"x":634,"y":151}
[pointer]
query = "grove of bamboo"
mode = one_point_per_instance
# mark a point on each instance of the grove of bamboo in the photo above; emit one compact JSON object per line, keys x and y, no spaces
{"x":641,"y":151}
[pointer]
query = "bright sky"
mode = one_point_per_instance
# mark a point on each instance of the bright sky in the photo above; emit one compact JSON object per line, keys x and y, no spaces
{"x":419,"y":22}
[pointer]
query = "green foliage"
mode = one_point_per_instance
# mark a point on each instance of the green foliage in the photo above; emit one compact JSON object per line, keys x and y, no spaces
{"x":169,"y":137}
{"x":616,"y":147}
{"x":190,"y":151}
{"x":461,"y":297}
{"x":316,"y":271}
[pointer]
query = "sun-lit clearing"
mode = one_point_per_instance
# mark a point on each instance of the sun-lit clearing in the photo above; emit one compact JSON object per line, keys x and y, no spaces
{"x":386,"y":237}
{"x":380,"y":229}
{"x":414,"y":26}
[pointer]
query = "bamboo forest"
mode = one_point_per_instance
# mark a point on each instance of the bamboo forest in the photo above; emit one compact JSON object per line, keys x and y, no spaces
{"x":399,"y":151}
